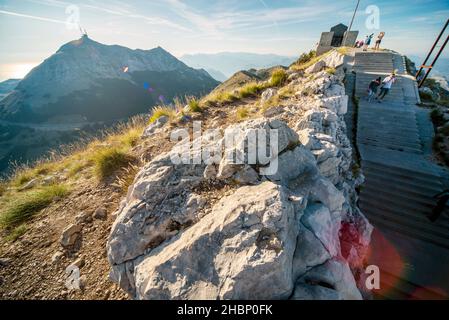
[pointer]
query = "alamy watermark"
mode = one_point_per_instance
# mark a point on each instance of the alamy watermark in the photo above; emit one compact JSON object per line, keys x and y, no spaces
{"x":372,"y":21}
{"x":73,"y":20}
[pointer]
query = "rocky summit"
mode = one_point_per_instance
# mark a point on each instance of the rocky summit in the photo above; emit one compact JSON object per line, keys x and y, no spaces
{"x":87,"y":81}
{"x":267,"y":236}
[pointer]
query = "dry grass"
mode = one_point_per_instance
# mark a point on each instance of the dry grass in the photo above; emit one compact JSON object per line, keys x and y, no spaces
{"x":303,"y":64}
{"x":161,"y":111}
{"x":274,"y":101}
{"x":278,"y":77}
{"x":286,"y":92}
{"x":79,"y":158}
{"x":242,"y":113}
{"x":126,"y":178}
{"x":194,"y":105}
{"x":330,"y":70}
{"x":343,"y":50}
{"x":221,"y":97}
{"x":251,"y":89}
{"x":109,"y":161}
{"x":16,"y":233}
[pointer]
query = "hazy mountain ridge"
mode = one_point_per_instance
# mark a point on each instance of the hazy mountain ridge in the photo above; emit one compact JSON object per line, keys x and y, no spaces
{"x":229,"y":63}
{"x":8,"y":86}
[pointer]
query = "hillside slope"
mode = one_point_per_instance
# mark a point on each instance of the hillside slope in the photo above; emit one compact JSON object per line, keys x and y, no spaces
{"x":294,"y":234}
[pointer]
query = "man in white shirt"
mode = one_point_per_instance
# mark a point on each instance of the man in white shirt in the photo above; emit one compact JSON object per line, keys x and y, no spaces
{"x":386,"y":86}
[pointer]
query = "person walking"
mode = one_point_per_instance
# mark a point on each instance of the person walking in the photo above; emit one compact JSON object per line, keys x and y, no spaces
{"x":367,"y":41}
{"x":379,"y":40}
{"x":372,"y":88}
{"x":386,"y":86}
{"x":442,"y":198}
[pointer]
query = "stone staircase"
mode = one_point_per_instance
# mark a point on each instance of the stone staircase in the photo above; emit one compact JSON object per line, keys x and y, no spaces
{"x":393,"y":138}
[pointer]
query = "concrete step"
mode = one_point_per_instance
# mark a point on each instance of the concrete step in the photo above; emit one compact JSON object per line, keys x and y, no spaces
{"x":413,"y":222}
{"x":401,"y":191}
{"x":398,"y":203}
{"x":412,"y":182}
{"x":382,"y":222}
{"x":389,"y":146}
{"x":400,"y":171}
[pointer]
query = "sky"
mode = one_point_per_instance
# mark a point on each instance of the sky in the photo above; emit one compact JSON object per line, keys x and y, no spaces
{"x":32,"y":30}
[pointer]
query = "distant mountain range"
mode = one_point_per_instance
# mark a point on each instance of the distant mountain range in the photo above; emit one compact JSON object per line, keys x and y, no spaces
{"x":90,"y":81}
{"x":441,"y":69}
{"x":227,"y":63}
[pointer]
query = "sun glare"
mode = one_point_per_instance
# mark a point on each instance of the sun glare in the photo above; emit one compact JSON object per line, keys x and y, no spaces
{"x":20,"y":70}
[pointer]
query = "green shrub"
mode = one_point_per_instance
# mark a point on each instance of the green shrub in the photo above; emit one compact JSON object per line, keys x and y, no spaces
{"x":24,"y":206}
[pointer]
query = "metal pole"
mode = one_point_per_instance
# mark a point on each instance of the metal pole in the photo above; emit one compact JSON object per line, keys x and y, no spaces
{"x":434,"y":61}
{"x":350,"y":25}
{"x":431,"y":50}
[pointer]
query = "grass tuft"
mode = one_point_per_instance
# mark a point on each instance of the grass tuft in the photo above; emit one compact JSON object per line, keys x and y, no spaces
{"x":330,"y":70}
{"x":194,"y":105}
{"x":250,"y":89}
{"x":278,"y":77}
{"x":24,"y":206}
{"x":108,"y":161}
{"x":242,"y":113}
{"x":16,"y":233}
{"x":161,"y":111}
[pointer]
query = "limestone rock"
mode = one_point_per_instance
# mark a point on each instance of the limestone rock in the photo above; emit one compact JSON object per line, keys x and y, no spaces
{"x":83,"y":217}
{"x":70,"y":235}
{"x":318,"y":219}
{"x":242,"y":250}
{"x":268,"y":94}
{"x":56,"y":257}
{"x":100,"y":213}
{"x":29,"y":185}
{"x":152,"y":212}
{"x":318,"y":66}
{"x":330,"y":281}
{"x":247,"y":175}
{"x":152,"y":128}
{"x":309,"y":252}
{"x":334,"y":59}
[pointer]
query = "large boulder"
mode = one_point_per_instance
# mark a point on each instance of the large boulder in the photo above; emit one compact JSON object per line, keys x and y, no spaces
{"x":242,"y":250}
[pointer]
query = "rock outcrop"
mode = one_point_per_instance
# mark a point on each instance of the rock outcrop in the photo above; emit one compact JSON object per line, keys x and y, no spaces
{"x":295,"y":233}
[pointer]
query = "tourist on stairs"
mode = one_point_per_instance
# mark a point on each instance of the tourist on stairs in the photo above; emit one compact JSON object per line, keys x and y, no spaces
{"x":372,"y":88}
{"x":379,"y":40}
{"x":367,"y":41}
{"x":386,"y":86}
